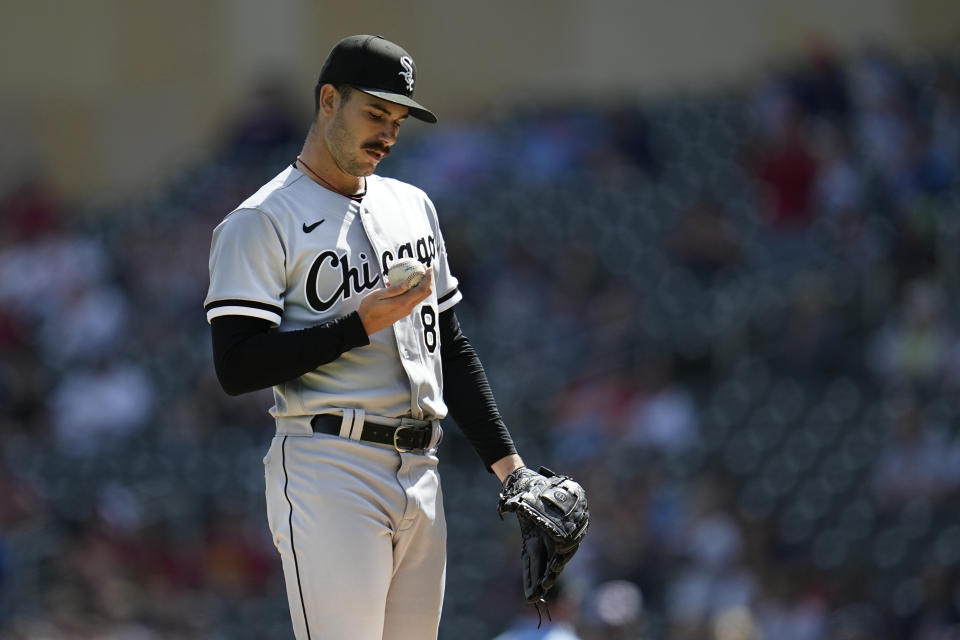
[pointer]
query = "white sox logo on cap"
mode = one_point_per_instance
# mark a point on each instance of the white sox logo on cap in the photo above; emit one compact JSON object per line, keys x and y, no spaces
{"x":407,"y":64}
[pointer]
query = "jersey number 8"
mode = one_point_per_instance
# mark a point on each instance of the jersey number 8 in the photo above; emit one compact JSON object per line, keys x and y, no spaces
{"x":429,"y":318}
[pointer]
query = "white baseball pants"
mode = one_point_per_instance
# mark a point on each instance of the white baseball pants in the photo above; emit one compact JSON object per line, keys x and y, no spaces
{"x":361,"y":532}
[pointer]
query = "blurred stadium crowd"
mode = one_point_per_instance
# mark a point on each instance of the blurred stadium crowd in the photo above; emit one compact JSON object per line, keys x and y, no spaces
{"x":730,"y":315}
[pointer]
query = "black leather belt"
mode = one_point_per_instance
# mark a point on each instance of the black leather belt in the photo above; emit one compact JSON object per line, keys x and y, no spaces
{"x":403,"y":438}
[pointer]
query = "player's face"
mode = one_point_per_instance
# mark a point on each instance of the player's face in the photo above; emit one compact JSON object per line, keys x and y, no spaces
{"x":362,"y":131}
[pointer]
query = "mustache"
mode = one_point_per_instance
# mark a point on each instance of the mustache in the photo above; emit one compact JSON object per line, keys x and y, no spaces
{"x":376,"y":146}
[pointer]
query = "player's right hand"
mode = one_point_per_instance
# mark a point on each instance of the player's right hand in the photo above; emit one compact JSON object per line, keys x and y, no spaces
{"x":381,"y":308}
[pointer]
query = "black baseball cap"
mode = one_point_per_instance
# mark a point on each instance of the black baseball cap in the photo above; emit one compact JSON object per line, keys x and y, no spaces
{"x":376,"y":66}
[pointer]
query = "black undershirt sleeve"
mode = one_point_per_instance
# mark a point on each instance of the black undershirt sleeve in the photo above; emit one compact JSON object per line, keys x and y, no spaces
{"x":467,"y":394}
{"x":249,"y":355}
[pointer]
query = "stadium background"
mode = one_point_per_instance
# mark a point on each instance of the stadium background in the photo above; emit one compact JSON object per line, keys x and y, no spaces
{"x":722,"y":245}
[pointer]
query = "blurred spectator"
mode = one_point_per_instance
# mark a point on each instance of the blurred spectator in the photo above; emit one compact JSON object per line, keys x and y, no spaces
{"x":917,"y":251}
{"x":88,"y":326}
{"x":809,"y":343}
{"x":859,"y":621}
{"x":789,"y":609}
{"x":235,"y":562}
{"x":39,"y":278}
{"x":29,"y":212}
{"x":735,"y":623}
{"x":820,"y":85}
{"x":913,"y":346}
{"x":882,"y":110}
{"x":615,"y":611}
{"x":712,"y":577}
{"x":945,"y":114}
{"x":89,"y":405}
{"x":703,"y":240}
{"x":841,"y":197}
{"x":457,"y":157}
{"x":558,"y":142}
{"x":24,"y":393}
{"x":661,"y":415}
{"x":840,"y":183}
{"x":628,"y":130}
{"x":913,"y":461}
{"x":919,"y":173}
{"x":266,"y":122}
{"x":554,"y":622}
{"x":23,"y":512}
{"x":585,"y":413}
{"x":786,"y":171}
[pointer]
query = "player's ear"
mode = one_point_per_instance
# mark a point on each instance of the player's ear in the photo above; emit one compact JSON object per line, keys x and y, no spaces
{"x":329,"y":99}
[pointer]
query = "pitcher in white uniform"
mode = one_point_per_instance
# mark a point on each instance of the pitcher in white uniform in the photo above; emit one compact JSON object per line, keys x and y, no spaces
{"x":361,"y":372}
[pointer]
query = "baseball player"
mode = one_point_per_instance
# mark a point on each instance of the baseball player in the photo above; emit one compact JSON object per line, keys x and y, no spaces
{"x":361,"y":370}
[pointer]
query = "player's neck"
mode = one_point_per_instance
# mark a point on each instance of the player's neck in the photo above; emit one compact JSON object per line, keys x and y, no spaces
{"x":316,"y":161}
{"x":352,"y":187}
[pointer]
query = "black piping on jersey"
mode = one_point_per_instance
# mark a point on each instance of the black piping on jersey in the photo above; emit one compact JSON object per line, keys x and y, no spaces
{"x":293,"y":549}
{"x":244,"y":303}
{"x":447,"y":296}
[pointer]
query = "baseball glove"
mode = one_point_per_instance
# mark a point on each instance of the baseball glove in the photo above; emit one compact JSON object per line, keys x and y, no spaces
{"x":553,"y":516}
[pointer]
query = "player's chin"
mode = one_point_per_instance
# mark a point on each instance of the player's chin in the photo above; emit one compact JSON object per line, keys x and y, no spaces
{"x":366,"y":166}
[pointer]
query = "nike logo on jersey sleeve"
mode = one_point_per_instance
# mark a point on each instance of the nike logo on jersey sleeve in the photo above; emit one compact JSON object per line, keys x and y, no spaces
{"x":307,"y":228}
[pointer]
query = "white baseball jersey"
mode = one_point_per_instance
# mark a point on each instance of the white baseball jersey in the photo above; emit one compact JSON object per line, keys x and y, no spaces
{"x":296,"y":254}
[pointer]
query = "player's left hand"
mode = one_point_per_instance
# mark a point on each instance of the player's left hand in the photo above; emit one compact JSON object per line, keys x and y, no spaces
{"x":553,"y":515}
{"x":380,"y":308}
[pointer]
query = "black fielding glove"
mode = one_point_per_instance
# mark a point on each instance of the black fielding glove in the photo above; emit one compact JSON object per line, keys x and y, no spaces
{"x":553,"y":516}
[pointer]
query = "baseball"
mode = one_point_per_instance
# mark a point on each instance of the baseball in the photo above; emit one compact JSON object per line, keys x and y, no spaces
{"x":409,"y":270}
